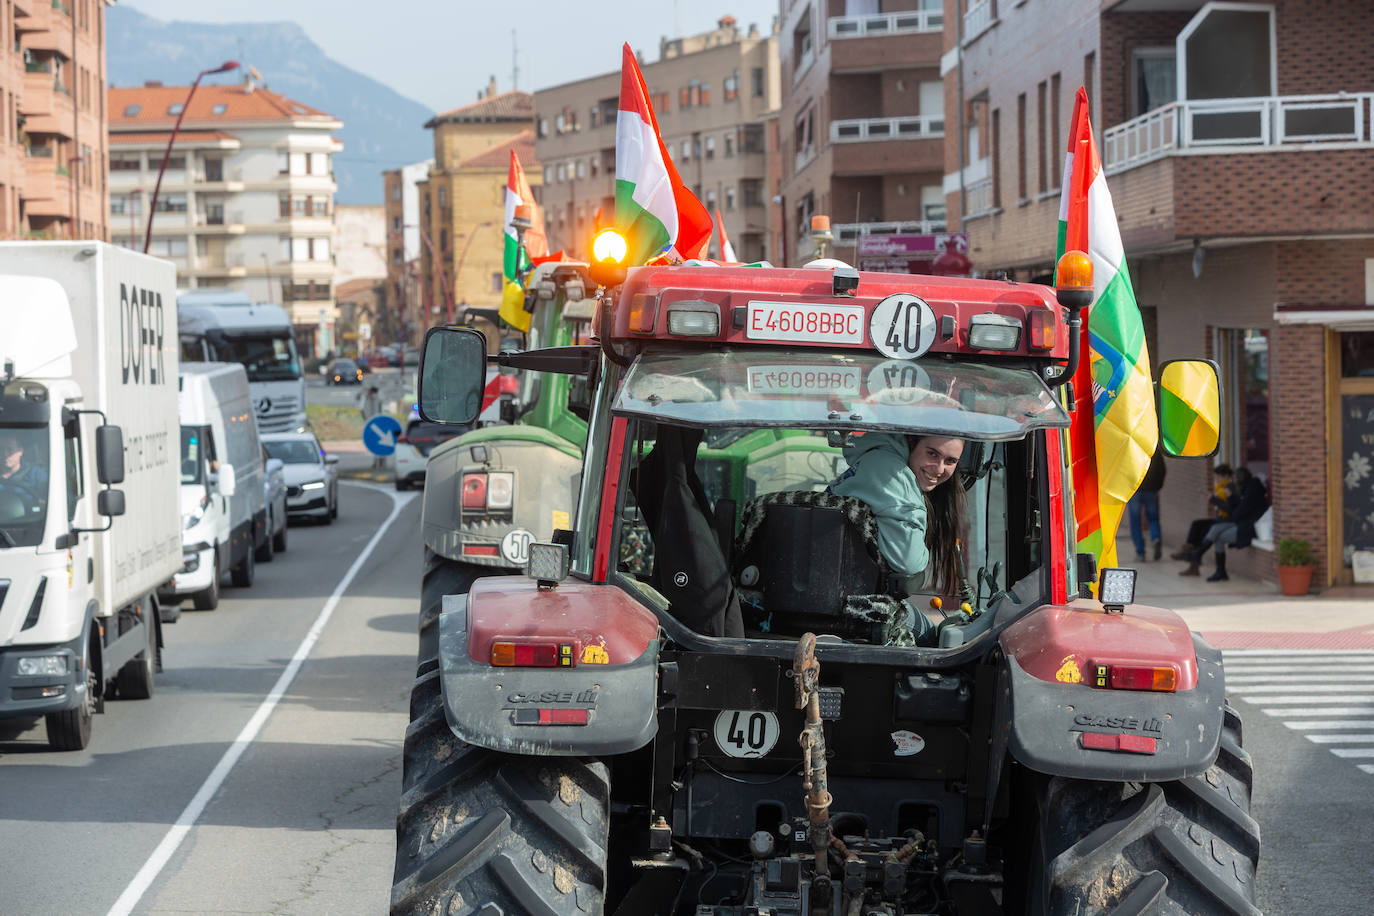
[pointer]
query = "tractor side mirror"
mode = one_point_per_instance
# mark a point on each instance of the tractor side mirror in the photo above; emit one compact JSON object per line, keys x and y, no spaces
{"x":453,"y":370}
{"x":1189,"y":408}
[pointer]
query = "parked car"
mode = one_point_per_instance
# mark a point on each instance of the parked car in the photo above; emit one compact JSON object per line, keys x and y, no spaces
{"x":312,"y":477}
{"x":274,"y":492}
{"x":344,"y":372}
{"x":413,"y":448}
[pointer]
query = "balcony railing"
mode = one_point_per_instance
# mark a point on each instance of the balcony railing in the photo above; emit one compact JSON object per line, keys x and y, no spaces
{"x":979,"y":197}
{"x":904,"y":23}
{"x":1240,"y":125}
{"x":804,"y":157}
{"x":848,"y":233}
{"x":803,"y":64}
{"x":977,"y":20}
{"x":37,"y":66}
{"x":915,"y":127}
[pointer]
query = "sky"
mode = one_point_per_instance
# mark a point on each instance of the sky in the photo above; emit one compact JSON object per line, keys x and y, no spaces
{"x":441,"y":52}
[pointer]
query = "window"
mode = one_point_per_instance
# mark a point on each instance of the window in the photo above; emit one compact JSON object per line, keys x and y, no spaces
{"x":1089,"y":69}
{"x":283,"y":163}
{"x":132,"y":110}
{"x":168,"y":248}
{"x":443,"y":196}
{"x":319,"y":206}
{"x":751,"y":190}
{"x":214,"y":214}
{"x":731,"y":87}
{"x":548,"y":174}
{"x":751,"y":140}
{"x":299,"y":164}
{"x":214,"y":169}
{"x":175,"y":108}
{"x":395,"y":224}
{"x":561,"y":172}
{"x":319,"y":163}
{"x":126,"y":162}
{"x":996,"y":164}
{"x":299,"y":206}
{"x":710,"y":200}
{"x":543,"y":127}
{"x":284,"y":206}
{"x":219,"y":109}
{"x":396,"y":256}
{"x":1243,"y":355}
{"x":121,"y":204}
{"x":1154,"y":79}
{"x":1042,"y":135}
{"x":1021,"y":146}
{"x":496,"y":282}
{"x":729,"y":145}
{"x":730,"y":198}
{"x":686,"y":150}
{"x":1056,"y":151}
{"x":756,"y":82}
{"x":443,"y":241}
{"x":710,"y":147}
{"x":176,"y":163}
{"x":396,"y":191}
{"x":581,"y":168}
{"x":661,"y":105}
{"x":172,"y":203}
{"x":804,"y":132}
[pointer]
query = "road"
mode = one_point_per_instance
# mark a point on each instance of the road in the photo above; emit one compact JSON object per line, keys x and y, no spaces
{"x":298,"y":817}
{"x":304,"y":821}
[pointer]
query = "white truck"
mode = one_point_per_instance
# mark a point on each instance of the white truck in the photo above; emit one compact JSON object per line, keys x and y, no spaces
{"x":224,"y":325}
{"x":88,"y":362}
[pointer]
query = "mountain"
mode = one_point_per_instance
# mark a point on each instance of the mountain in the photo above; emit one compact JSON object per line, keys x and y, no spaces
{"x":382,"y":128}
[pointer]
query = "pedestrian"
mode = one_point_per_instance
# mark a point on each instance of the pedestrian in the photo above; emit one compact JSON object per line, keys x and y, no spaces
{"x":1216,"y":504}
{"x":1249,"y":500}
{"x":1146,"y":500}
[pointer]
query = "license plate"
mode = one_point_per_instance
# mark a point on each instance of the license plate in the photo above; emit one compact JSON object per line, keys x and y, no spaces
{"x":806,"y":321}
{"x":803,"y":380}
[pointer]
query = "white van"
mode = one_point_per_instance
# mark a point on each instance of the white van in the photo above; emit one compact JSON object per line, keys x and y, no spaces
{"x":223,"y":511}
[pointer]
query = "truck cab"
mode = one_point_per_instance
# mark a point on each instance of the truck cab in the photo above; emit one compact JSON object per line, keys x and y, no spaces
{"x":222,"y":325}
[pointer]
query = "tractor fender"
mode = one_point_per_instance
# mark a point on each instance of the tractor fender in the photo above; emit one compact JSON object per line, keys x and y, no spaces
{"x":600,"y":701}
{"x":547,"y":473}
{"x":1059,"y":723}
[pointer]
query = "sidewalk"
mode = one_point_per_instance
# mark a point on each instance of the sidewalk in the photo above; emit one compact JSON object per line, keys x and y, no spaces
{"x":1245,"y":614}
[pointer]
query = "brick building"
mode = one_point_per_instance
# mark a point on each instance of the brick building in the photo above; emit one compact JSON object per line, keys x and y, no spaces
{"x":52,"y":120}
{"x":863,"y":120}
{"x":462,"y":201}
{"x":711,"y":93}
{"x":402,"y":213}
{"x":1237,"y":143}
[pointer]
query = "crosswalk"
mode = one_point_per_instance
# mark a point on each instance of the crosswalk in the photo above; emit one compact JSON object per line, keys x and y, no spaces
{"x":1325,"y":696}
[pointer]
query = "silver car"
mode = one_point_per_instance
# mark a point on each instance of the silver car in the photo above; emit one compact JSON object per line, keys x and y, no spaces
{"x":274,"y":497}
{"x":312,"y":477}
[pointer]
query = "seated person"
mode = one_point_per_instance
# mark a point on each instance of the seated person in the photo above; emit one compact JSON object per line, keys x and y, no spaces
{"x":909,"y":483}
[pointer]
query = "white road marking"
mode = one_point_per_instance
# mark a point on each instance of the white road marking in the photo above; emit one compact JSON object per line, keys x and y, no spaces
{"x":1353,"y":751}
{"x":1341,"y":739}
{"x":1318,"y":724}
{"x":1321,"y":710}
{"x":163,"y":853}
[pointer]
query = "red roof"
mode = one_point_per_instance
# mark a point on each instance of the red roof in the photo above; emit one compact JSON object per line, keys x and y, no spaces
{"x":132,"y":109}
{"x":499,"y":155}
{"x":516,"y":105}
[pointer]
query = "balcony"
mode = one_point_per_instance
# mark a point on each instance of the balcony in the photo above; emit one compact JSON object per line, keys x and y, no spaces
{"x":905,"y":23}
{"x":977,"y":20}
{"x":1231,"y":126}
{"x":915,"y":127}
{"x":848,"y":233}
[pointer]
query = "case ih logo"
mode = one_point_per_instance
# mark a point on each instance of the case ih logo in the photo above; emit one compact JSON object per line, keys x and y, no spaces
{"x":140,"y":336}
{"x":554,"y":697}
{"x":1129,"y":723}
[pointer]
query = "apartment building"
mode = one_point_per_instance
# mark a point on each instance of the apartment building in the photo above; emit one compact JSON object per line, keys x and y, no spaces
{"x":52,"y":119}
{"x":711,"y":93}
{"x":401,"y":210}
{"x":1236,"y":138}
{"x":863,"y":120}
{"x":462,"y":201}
{"x":246,"y":199}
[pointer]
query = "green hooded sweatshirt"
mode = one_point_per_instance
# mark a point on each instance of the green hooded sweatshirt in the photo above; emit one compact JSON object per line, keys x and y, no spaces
{"x":878,"y":476}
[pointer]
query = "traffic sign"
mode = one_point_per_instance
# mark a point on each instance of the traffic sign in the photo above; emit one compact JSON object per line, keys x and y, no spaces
{"x":380,"y":434}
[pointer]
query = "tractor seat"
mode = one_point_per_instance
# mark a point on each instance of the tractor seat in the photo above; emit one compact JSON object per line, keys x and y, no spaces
{"x":811,"y":561}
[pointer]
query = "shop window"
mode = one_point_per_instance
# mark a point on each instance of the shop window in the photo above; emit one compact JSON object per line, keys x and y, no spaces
{"x":1243,"y":355}
{"x":1357,"y":354}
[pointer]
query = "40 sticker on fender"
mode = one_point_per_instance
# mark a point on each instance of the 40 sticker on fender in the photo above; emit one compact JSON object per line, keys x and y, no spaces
{"x":746,"y":733}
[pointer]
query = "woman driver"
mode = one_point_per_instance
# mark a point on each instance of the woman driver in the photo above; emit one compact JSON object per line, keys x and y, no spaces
{"x":909,"y":483}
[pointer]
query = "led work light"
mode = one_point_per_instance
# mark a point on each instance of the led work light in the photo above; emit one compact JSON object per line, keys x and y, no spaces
{"x":1116,"y":587}
{"x":547,"y":564}
{"x":994,"y":332}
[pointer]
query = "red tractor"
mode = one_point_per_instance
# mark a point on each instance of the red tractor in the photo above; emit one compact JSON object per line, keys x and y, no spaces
{"x":714,"y":694}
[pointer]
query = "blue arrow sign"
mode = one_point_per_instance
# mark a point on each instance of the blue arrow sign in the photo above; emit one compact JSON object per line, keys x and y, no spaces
{"x":380,"y":434}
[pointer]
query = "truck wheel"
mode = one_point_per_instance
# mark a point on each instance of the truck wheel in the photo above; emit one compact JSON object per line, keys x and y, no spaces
{"x":70,"y":729}
{"x":266,"y":550}
{"x":135,"y":679}
{"x":1187,"y":846}
{"x":279,"y":539}
{"x":505,"y":833}
{"x":443,"y":577}
{"x":242,"y":576}
{"x":207,"y":599}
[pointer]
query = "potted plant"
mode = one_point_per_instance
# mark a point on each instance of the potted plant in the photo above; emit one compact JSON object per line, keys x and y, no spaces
{"x":1296,"y":561}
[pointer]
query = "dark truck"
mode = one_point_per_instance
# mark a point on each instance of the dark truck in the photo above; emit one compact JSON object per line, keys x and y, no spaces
{"x":705,"y":696}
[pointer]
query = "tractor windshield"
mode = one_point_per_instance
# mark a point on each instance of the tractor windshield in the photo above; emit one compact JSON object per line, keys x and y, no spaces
{"x":821,"y":390}
{"x":740,"y":531}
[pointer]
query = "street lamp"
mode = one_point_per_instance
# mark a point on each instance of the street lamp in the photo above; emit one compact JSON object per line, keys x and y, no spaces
{"x":152,"y":208}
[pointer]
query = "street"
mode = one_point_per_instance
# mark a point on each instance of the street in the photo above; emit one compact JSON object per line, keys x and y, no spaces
{"x":298,"y":817}
{"x":303,"y":821}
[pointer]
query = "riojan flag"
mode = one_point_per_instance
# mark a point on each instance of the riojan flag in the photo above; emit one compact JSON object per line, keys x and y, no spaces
{"x":1114,"y":429}
{"x":514,"y":260}
{"x":653,"y":208}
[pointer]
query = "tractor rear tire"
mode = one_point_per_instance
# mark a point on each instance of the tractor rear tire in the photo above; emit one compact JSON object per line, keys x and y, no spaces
{"x":443,"y":577}
{"x":481,"y":831}
{"x":1181,"y":847}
